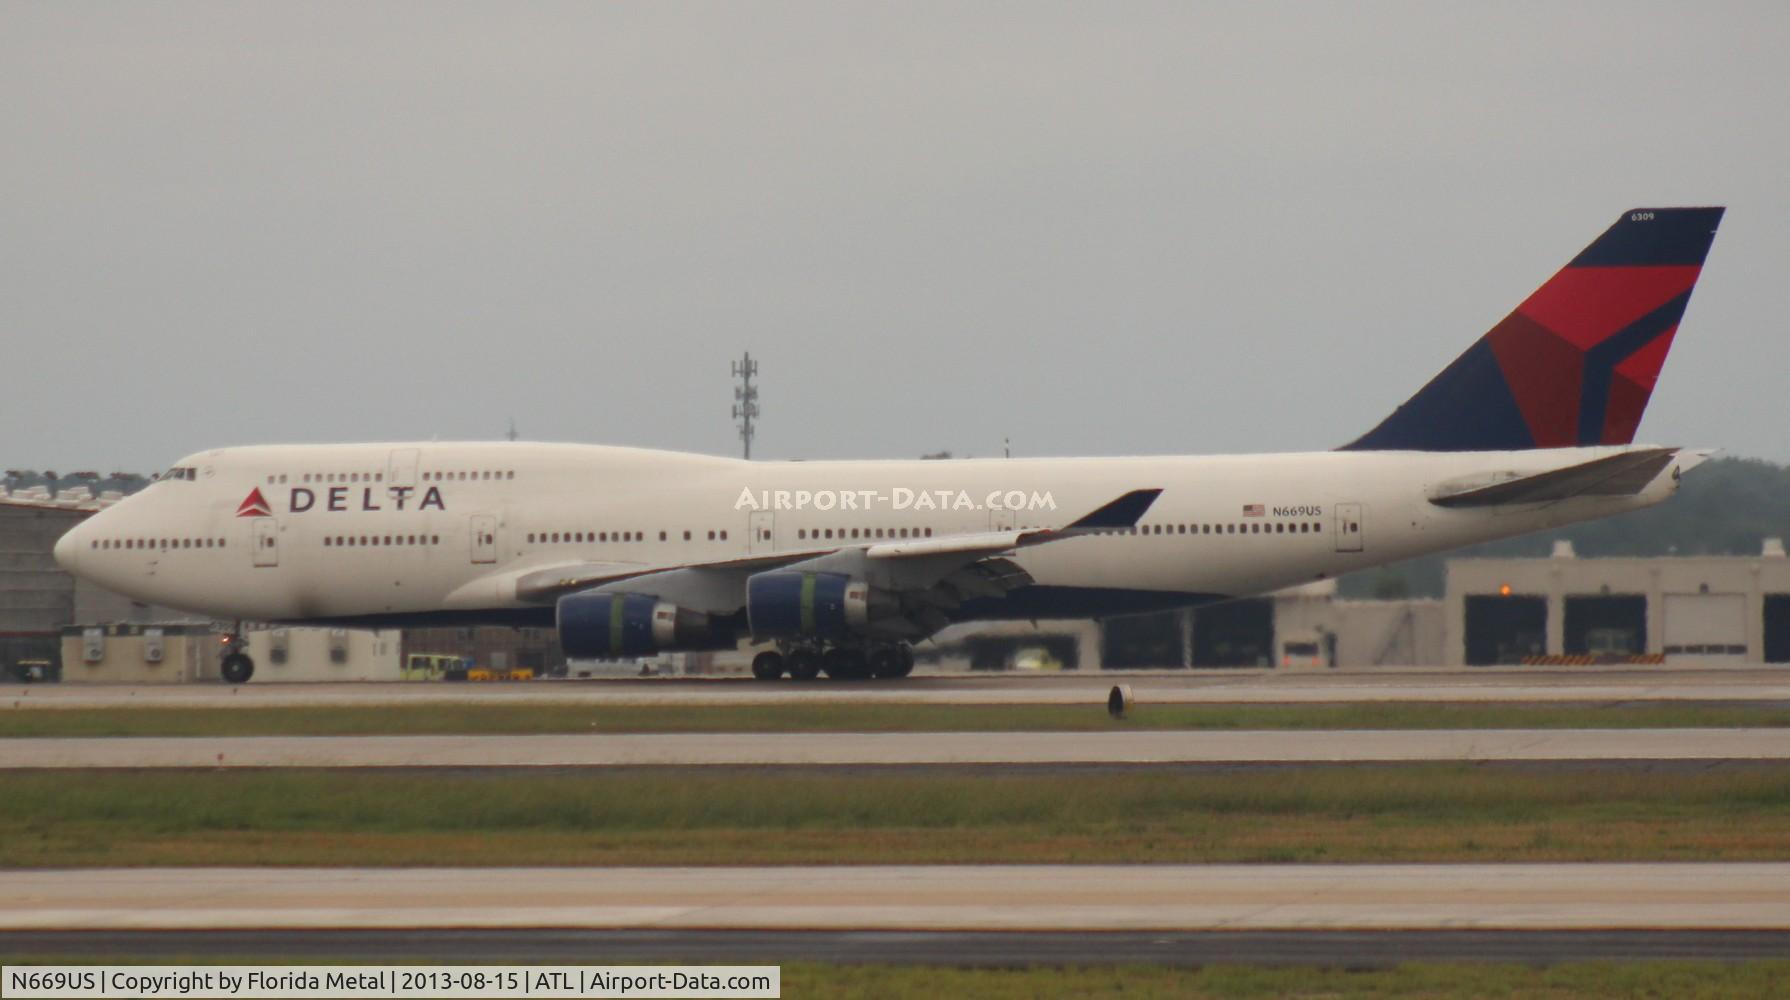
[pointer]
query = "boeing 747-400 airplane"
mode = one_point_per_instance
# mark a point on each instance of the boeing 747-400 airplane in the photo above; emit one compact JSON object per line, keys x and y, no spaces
{"x":840,"y":566}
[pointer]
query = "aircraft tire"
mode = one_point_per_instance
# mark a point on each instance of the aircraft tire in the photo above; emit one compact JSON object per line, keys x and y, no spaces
{"x":803,"y":665}
{"x":768,"y":665}
{"x":237,"y":668}
{"x":886,"y":662}
{"x":843,"y":664}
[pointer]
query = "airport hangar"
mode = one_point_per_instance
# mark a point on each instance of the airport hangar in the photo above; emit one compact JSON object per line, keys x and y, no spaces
{"x":1558,"y":610}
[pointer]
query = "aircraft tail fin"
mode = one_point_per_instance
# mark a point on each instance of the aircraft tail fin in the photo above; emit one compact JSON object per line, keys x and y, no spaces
{"x":1576,"y":362}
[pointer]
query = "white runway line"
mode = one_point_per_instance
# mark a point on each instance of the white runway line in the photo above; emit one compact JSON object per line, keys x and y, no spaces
{"x":698,"y":749}
{"x":970,"y":897}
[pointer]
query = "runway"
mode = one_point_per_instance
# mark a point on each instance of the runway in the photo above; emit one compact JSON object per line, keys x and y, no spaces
{"x":923,"y":748}
{"x":1578,"y":684}
{"x":980,"y":898}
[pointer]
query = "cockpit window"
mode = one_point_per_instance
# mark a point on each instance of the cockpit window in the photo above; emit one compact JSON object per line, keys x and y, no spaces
{"x":185,"y":472}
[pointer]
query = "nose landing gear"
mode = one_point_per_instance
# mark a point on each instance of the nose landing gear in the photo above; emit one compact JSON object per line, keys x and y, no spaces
{"x":236,"y":667}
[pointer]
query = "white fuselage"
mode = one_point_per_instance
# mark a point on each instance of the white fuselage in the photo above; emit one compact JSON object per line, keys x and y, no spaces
{"x":435,"y":531}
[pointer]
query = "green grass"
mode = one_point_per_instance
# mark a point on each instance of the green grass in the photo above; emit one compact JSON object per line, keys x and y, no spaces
{"x":1427,"y":980}
{"x":863,"y":718}
{"x":1442,"y":812}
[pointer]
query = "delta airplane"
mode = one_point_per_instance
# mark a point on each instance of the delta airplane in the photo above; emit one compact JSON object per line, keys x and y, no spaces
{"x":841,"y":566}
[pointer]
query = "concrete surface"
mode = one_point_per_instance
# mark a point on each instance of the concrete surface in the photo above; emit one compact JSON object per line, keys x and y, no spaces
{"x":704,"y":749}
{"x":1598,"y":684}
{"x":969,"y":897}
{"x":1148,"y":746}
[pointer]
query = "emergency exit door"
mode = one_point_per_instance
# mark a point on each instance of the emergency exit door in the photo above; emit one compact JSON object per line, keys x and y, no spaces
{"x":1350,"y":534}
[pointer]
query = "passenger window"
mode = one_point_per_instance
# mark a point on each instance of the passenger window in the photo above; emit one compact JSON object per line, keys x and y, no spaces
{"x":724,"y":534}
{"x":686,"y":535}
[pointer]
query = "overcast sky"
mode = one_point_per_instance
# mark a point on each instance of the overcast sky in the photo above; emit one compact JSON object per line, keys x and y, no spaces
{"x":1098,"y":228}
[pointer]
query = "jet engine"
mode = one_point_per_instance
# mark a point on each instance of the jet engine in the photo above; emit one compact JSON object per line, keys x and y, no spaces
{"x":790,"y":604}
{"x":600,"y":625}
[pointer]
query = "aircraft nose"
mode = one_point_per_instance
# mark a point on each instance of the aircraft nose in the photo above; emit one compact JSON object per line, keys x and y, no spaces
{"x":69,"y":547}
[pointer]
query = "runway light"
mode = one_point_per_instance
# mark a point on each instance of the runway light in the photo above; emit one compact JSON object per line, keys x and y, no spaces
{"x":1504,"y":590}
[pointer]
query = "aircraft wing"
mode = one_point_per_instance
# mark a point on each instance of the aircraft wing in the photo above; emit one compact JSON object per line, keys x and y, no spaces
{"x":971,"y":561}
{"x":1624,"y":474}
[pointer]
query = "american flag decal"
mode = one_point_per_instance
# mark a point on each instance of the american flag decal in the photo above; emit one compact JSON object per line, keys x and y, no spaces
{"x":1254,"y":510}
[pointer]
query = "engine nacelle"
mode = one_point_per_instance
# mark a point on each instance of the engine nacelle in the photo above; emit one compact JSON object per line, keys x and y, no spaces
{"x":790,"y":604}
{"x":598,"y":625}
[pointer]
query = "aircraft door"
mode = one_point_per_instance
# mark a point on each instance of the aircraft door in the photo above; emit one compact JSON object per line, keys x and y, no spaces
{"x":484,"y":538}
{"x":401,"y":470}
{"x":1350,"y":528}
{"x":266,"y":542}
{"x":761,"y":534}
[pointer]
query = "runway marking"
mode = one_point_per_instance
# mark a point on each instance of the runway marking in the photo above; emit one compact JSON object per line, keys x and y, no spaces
{"x":948,"y":897}
{"x":709,"y":749}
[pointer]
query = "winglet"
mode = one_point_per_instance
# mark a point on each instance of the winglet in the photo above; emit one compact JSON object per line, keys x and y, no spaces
{"x":1121,"y":513}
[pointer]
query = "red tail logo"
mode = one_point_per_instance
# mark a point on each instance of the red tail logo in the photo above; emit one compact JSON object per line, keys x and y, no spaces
{"x":254,"y":505}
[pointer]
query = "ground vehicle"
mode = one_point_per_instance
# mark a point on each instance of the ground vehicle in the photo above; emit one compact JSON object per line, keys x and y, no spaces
{"x":430,"y":666}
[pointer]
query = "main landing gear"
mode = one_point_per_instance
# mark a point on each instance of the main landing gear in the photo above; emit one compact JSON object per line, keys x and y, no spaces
{"x":236,"y":667}
{"x":806,"y":662}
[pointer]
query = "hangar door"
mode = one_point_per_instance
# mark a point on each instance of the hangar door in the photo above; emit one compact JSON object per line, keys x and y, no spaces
{"x":1234,"y":634}
{"x":1777,"y":628}
{"x":1705,"y":625}
{"x":1133,"y":641}
{"x":1605,"y":624}
{"x":1505,"y":628}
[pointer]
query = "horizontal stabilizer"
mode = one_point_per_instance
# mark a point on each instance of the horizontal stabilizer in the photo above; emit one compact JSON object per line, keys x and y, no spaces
{"x":1618,"y":475}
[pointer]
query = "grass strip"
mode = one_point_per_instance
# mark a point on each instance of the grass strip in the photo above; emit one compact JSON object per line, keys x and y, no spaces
{"x":870,"y":718}
{"x":673,"y":816}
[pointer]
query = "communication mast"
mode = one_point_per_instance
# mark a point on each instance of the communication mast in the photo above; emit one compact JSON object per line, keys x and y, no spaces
{"x":745,"y":397}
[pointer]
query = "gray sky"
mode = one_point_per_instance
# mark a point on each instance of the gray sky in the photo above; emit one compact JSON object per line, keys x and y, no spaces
{"x":1095,"y":228}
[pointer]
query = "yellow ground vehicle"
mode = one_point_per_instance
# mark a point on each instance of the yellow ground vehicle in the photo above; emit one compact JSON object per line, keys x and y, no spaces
{"x":431,"y":666}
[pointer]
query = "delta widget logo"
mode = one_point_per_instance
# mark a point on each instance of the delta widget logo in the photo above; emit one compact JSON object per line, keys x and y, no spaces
{"x":254,"y":505}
